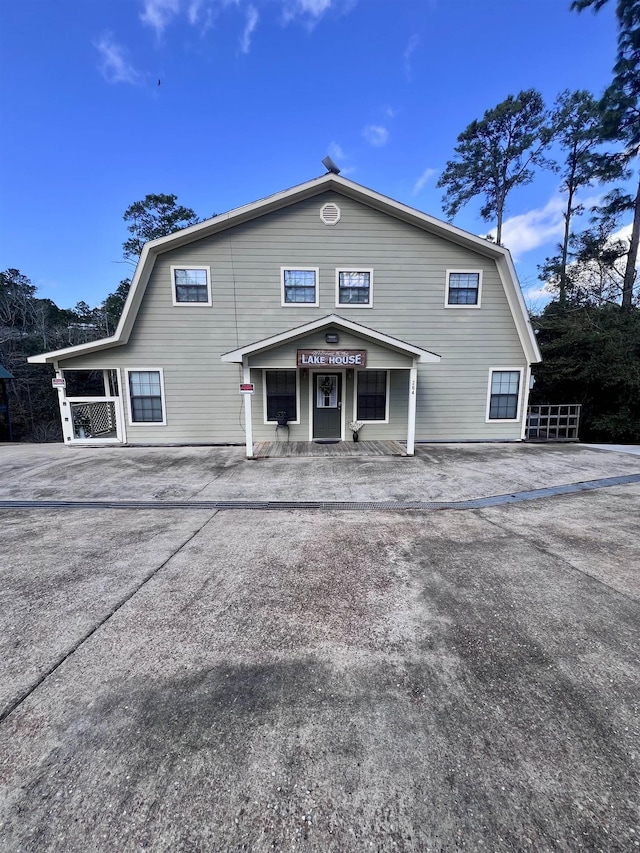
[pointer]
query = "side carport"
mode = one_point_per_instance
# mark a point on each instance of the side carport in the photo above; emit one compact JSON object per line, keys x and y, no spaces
{"x":345,"y":349}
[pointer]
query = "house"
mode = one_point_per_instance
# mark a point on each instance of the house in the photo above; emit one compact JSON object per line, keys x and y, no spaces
{"x":320,"y":305}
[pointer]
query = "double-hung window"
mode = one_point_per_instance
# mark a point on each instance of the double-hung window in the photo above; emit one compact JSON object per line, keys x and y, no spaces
{"x":504,"y":394}
{"x":372,"y":395}
{"x":463,"y":288}
{"x":299,"y":286}
{"x":191,"y":285}
{"x":281,"y":394}
{"x":354,"y":288}
{"x":146,"y":396}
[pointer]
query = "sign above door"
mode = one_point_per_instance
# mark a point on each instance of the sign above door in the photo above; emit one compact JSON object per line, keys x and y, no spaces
{"x":332,"y":358}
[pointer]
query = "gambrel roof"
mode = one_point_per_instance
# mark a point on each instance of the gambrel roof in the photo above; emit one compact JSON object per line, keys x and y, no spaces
{"x":329,"y":182}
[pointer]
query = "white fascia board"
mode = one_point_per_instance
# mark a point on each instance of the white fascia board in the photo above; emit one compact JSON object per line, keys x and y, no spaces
{"x":125,"y":324}
{"x":70,"y":352}
{"x":324,"y":183}
{"x":236,"y":356}
{"x":518,"y":309}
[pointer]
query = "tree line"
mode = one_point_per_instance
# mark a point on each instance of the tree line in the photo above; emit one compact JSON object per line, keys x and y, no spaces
{"x":30,"y":325}
{"x":589,"y":333}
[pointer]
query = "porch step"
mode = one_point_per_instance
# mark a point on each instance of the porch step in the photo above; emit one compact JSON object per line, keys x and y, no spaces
{"x":279,"y":449}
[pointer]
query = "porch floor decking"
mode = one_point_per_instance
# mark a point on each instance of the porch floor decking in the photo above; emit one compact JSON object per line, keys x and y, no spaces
{"x":271,"y":449}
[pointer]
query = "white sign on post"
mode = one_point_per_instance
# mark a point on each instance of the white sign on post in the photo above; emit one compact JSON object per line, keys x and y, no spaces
{"x":58,"y":382}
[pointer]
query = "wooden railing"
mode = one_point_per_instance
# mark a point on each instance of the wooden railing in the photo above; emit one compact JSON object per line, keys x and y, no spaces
{"x":553,"y":423}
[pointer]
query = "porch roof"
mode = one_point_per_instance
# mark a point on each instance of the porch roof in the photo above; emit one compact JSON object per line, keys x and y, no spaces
{"x":330,"y":321}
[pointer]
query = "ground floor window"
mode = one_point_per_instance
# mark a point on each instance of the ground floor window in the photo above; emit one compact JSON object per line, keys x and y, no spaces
{"x":280,"y":391}
{"x":145,"y":394}
{"x":371,"y":395}
{"x":504,"y":389}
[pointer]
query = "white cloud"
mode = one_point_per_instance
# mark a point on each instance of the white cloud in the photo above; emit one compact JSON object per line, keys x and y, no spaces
{"x":535,"y":228}
{"x":336,"y":152}
{"x":409,"y":50}
{"x":193,"y":12}
{"x":251,"y":24}
{"x":376,"y":135}
{"x":114,"y":65}
{"x":158,"y":13}
{"x":312,"y":8}
{"x":339,"y":155}
{"x":422,"y":180}
{"x":311,"y":11}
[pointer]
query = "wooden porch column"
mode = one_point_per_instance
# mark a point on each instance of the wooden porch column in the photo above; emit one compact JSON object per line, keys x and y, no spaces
{"x":411,"y":420}
{"x":65,"y":408}
{"x":248,"y":420}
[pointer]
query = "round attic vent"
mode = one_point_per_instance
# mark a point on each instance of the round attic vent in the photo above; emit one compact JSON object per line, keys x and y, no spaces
{"x":330,"y":213}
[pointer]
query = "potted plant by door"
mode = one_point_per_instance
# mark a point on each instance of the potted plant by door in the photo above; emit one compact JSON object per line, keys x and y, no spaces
{"x":355,"y":427}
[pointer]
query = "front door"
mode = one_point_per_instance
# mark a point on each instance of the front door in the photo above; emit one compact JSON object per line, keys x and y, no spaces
{"x":327,"y":405}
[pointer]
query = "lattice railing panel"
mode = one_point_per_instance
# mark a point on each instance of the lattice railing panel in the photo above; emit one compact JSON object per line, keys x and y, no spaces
{"x":553,"y":423}
{"x":94,"y":420}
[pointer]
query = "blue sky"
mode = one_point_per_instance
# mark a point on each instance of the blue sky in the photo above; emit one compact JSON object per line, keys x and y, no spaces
{"x":252,"y":96}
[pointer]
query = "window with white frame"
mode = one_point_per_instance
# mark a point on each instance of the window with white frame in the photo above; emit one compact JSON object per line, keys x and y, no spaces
{"x":463,"y":288}
{"x":281,"y":394}
{"x":146,"y":397}
{"x":300,"y":286}
{"x":372,"y":395}
{"x":504,"y":392}
{"x":191,"y":285}
{"x":354,"y":288}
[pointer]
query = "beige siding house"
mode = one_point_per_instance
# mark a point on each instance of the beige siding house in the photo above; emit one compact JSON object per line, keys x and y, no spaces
{"x":330,"y":304}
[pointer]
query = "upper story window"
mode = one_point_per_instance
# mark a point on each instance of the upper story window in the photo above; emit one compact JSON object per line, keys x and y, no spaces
{"x":463,"y":288}
{"x":354,"y":288}
{"x":504,"y":395}
{"x":191,"y":285}
{"x":299,"y":286}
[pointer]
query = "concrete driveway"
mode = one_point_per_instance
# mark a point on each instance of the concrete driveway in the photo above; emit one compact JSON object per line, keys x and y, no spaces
{"x":227,"y":680}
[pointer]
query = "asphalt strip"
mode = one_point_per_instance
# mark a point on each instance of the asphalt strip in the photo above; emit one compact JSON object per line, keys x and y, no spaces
{"x":476,"y":503}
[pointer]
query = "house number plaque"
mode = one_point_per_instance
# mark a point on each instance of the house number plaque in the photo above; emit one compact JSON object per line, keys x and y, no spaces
{"x":332,"y":357}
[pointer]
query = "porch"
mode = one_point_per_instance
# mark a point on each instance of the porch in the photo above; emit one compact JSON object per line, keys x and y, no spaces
{"x":279,"y":449}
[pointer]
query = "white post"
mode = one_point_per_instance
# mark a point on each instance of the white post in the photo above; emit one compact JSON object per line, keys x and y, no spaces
{"x":525,"y":402}
{"x":411,"y":419}
{"x":248,"y":420}
{"x":65,"y":408}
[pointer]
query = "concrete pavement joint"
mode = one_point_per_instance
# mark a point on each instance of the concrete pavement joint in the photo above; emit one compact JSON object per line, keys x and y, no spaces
{"x":549,"y":552}
{"x":6,"y":712}
{"x":476,"y":503}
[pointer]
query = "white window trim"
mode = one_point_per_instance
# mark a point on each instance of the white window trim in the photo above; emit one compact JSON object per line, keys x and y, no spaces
{"x":177,"y":304}
{"x":347,"y":305}
{"x":159,"y":370}
{"x":446,"y":294}
{"x":266,"y":421}
{"x":387,"y":393}
{"x":493,"y":370}
{"x":285,"y":304}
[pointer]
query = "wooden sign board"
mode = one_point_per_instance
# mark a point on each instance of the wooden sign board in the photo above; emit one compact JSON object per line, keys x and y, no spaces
{"x":332,"y":358}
